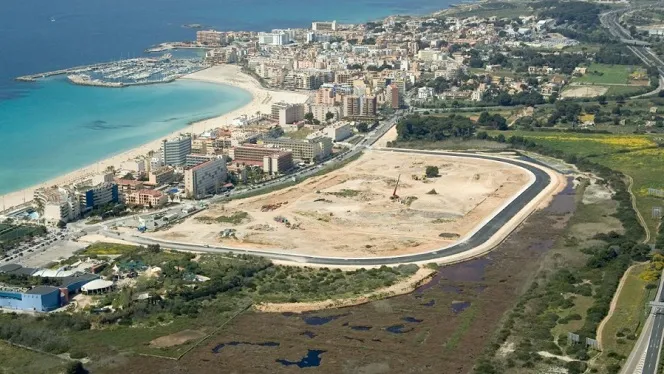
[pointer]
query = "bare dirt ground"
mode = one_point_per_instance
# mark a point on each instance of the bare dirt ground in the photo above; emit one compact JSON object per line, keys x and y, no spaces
{"x":349,"y":212}
{"x":584,"y":91}
{"x":178,"y":338}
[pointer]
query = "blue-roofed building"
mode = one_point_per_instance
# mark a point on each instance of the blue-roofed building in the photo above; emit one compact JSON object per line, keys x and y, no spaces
{"x":39,"y":299}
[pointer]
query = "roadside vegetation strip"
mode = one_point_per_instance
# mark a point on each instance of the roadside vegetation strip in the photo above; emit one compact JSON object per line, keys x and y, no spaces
{"x":629,"y":312}
{"x":636,"y":209}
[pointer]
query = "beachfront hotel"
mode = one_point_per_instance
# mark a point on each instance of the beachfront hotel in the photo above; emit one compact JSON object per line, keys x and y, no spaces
{"x":273,"y":160}
{"x":205,"y":179}
{"x":306,"y":150}
{"x":174,"y":151}
{"x":286,"y":113}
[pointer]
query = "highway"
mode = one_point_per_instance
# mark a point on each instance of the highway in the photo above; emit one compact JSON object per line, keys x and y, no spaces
{"x":645,"y":355}
{"x":540,"y":181}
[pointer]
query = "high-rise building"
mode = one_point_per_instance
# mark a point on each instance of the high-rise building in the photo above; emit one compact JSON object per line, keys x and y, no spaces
{"x":286,"y":113}
{"x":368,"y":106}
{"x":95,"y":196}
{"x":174,"y":151}
{"x":205,"y":179}
{"x":393,"y":96}
{"x":58,"y":204}
{"x":351,"y":105}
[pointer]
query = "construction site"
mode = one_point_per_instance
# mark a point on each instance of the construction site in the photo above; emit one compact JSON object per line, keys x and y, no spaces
{"x":383,"y":204}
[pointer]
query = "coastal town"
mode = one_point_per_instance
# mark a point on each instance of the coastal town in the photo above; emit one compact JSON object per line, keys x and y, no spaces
{"x":335,"y":163}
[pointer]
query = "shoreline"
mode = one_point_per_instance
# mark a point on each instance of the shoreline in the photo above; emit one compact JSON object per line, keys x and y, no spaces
{"x":230,"y":75}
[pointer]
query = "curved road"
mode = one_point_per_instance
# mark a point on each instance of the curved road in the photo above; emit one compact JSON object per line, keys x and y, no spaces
{"x":479,"y":237}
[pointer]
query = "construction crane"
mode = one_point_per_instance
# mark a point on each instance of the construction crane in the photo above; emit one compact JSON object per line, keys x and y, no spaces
{"x":394,"y":193}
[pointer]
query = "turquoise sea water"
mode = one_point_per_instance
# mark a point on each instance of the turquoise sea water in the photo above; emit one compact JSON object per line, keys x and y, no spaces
{"x":52,"y":127}
{"x":61,"y":127}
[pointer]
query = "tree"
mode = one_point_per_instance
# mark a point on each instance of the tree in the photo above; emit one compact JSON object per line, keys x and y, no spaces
{"x":61,"y":224}
{"x":431,"y":171}
{"x":316,"y":122}
{"x":329,"y":116}
{"x":309,"y":117}
{"x":128,"y":176}
{"x":362,"y":127}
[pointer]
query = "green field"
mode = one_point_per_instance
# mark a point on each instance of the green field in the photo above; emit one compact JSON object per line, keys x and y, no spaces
{"x":635,"y":155}
{"x":108,"y":249}
{"x":606,"y":74}
{"x":18,"y":361}
{"x":627,"y":90}
{"x":629,"y":315}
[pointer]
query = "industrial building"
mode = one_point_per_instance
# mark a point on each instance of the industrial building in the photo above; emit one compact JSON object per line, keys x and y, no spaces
{"x":41,"y":298}
{"x":308,"y":150}
{"x":205,"y":179}
{"x":174,"y":151}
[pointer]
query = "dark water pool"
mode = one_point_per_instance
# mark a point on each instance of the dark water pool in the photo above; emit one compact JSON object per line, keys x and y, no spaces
{"x":460,"y":306}
{"x":398,"y":329}
{"x":469,"y":271}
{"x":318,"y":320}
{"x":312,"y":359}
{"x":361,"y":328}
{"x":412,"y":319}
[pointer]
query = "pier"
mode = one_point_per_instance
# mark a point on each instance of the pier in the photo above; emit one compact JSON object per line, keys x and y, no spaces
{"x":125,"y":73}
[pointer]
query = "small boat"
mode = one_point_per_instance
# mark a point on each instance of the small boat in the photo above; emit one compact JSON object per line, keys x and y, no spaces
{"x":52,"y":19}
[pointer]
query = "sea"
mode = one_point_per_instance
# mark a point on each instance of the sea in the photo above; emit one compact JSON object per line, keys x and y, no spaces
{"x":51,"y":127}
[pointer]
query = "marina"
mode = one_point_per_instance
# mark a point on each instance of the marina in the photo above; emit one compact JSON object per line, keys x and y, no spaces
{"x":124,"y":73}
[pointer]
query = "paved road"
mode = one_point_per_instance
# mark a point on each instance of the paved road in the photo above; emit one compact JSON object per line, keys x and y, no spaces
{"x":644,"y":358}
{"x":541,"y":181}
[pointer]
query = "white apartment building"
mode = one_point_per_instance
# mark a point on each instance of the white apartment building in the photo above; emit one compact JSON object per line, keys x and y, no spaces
{"x":425,"y":93}
{"x":286,"y":113}
{"x":338,"y":131}
{"x":205,"y":179}
{"x":274,"y":38}
{"x":58,"y":203}
{"x":324,"y":26}
{"x":320,"y":112}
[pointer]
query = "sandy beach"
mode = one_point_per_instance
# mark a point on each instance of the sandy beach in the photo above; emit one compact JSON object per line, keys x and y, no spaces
{"x":223,"y":74}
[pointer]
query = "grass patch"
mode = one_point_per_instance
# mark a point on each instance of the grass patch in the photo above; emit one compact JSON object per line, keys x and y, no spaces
{"x":627,"y":90}
{"x":607,"y":74}
{"x":467,"y":318}
{"x":629,"y":315}
{"x":299,"y":134}
{"x":106,"y":249}
{"x":635,"y":155}
{"x":17,"y":360}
